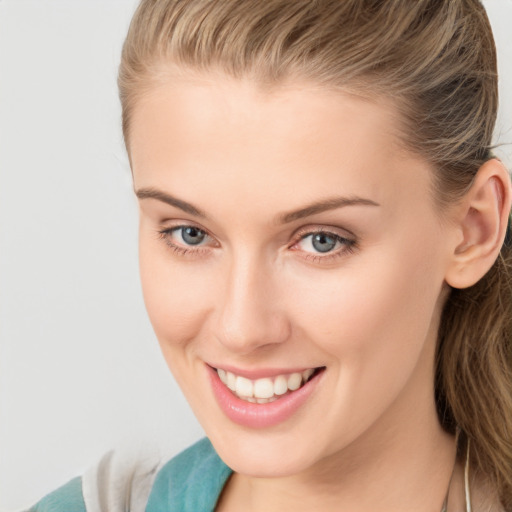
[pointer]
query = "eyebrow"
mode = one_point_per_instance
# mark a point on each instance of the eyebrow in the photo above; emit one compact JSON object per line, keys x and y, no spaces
{"x":151,"y":193}
{"x":323,"y":206}
{"x":284,"y":218}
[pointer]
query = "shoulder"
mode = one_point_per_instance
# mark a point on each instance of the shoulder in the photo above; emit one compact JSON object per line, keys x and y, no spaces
{"x":68,"y":498}
{"x":484,"y":495}
{"x":119,"y":482}
{"x":191,"y":481}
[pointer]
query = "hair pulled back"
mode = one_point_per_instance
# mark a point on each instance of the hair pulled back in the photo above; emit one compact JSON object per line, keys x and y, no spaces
{"x":436,"y":60}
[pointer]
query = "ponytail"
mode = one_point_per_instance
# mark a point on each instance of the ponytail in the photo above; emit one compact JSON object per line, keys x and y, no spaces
{"x":474,"y":372}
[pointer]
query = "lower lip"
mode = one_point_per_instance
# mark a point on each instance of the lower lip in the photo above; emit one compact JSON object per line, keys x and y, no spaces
{"x":252,"y":415}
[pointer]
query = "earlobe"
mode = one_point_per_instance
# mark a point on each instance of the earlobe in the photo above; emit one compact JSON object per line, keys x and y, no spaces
{"x":482,"y":222}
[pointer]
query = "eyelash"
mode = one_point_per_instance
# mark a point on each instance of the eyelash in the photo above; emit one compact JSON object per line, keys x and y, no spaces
{"x":349,"y":245}
{"x":165,"y":234}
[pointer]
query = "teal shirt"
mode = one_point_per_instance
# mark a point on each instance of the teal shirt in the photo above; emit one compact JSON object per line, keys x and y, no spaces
{"x":190,"y":482}
{"x":69,"y":497}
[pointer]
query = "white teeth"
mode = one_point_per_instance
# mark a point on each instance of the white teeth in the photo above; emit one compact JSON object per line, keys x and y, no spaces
{"x":231,"y":381}
{"x":263,"y":390}
{"x":306,"y":374}
{"x":294,"y":381}
{"x":222,"y":375}
{"x":265,"y":400}
{"x":244,"y":387}
{"x":280,"y":385}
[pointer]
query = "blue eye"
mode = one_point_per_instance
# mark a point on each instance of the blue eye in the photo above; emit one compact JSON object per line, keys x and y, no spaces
{"x":188,"y":240}
{"x":191,"y":235}
{"x":323,"y":242}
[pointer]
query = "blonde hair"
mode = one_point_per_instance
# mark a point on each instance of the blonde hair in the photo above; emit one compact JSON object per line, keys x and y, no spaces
{"x":436,"y":60}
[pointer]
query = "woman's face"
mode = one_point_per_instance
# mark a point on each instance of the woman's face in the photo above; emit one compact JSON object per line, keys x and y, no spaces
{"x":285,"y":233}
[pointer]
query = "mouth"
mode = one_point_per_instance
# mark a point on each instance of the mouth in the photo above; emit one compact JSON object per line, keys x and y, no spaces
{"x":267,"y":389}
{"x":266,"y":401}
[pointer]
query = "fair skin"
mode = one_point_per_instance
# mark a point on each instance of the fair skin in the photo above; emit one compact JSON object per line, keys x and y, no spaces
{"x":256,"y":293}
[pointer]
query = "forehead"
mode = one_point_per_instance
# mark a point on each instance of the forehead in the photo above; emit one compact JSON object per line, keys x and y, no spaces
{"x":215,"y":133}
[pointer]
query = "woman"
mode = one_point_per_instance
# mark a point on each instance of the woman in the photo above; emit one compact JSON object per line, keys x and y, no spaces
{"x":323,"y":255}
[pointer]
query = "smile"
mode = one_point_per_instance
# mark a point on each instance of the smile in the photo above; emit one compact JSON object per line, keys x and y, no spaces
{"x":264,"y":390}
{"x":266,"y":401}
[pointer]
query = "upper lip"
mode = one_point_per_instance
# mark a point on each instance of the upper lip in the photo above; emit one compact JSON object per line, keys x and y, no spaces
{"x":259,"y":373}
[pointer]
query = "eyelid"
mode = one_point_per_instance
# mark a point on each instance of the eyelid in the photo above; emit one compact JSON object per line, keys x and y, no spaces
{"x":349,"y":244}
{"x":312,"y":230}
{"x":165,"y":233}
{"x":172,"y":224}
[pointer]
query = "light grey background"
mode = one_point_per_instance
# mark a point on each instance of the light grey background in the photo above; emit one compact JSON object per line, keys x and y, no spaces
{"x":80,"y":369}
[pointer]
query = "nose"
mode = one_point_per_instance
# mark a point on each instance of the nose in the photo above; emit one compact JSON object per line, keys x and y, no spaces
{"x":250,"y":314}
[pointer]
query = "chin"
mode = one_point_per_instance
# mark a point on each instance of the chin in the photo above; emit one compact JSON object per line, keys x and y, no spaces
{"x":266,"y":454}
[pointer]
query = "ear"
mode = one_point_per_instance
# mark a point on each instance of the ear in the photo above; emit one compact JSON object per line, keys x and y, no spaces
{"x":482,"y":219}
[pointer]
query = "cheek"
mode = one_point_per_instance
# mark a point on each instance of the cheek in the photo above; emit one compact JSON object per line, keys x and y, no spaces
{"x":176,"y":298}
{"x":376,"y":324}
{"x":378,"y":308}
